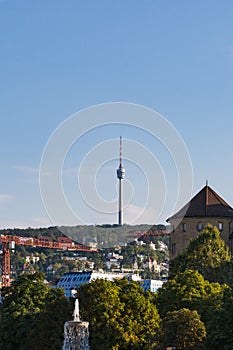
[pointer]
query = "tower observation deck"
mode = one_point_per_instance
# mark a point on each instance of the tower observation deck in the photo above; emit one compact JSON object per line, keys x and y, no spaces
{"x":120,"y":176}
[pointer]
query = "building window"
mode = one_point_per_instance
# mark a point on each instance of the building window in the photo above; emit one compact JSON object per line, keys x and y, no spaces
{"x":184,"y":227}
{"x":173,"y":248}
{"x":220,"y":226}
{"x":199,"y":226}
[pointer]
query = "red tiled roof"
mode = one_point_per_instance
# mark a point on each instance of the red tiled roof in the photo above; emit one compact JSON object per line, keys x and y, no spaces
{"x":206,"y":203}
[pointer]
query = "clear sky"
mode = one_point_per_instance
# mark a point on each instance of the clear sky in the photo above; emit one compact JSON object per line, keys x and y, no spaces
{"x":58,"y":57}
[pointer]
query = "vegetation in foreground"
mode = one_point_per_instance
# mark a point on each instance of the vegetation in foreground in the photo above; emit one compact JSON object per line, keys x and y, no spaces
{"x":193,"y":309}
{"x":32,"y":315}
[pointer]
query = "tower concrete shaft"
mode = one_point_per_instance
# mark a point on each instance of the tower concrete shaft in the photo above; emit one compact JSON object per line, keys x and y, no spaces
{"x":120,"y":216}
{"x":121,"y":176}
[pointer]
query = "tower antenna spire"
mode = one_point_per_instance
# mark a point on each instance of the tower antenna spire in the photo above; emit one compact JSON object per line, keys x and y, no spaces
{"x":120,"y":151}
{"x":120,"y":176}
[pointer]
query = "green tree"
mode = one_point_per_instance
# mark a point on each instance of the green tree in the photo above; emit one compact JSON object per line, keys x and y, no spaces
{"x":129,"y":252}
{"x":149,"y":274}
{"x":49,"y":324}
{"x":26,"y":303}
{"x":223,"y":272}
{"x":121,"y":315}
{"x":140,"y":320}
{"x":98,"y":261}
{"x":100,"y":305}
{"x":183,"y":329}
{"x":204,"y":254}
{"x":190,"y":290}
{"x":220,"y":326}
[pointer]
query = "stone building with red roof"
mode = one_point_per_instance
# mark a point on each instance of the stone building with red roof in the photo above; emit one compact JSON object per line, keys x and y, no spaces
{"x":206,"y":207}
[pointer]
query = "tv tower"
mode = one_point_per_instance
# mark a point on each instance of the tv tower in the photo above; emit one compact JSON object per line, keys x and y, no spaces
{"x":121,"y":176}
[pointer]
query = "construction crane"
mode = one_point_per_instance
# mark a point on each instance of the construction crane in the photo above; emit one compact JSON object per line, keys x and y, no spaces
{"x":9,"y":242}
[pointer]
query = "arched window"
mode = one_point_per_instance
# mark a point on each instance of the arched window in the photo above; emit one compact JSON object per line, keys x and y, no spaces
{"x":200,"y":226}
{"x":220,"y":226}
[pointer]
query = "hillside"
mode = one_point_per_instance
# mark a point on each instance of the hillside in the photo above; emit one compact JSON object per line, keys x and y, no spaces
{"x":104,"y":236}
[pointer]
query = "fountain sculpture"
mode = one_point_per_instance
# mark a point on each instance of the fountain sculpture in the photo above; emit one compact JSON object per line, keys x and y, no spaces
{"x":76,"y":334}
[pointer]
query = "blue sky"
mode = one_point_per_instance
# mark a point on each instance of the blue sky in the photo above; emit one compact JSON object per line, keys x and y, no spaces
{"x":58,"y":57}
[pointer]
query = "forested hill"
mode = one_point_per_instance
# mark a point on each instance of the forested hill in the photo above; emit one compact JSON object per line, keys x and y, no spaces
{"x":104,"y":235}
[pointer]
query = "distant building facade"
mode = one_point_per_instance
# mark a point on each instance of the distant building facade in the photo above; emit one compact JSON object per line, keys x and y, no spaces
{"x":71,"y":281}
{"x":207,"y":207}
{"x":152,"y":285}
{"x":151,"y":264}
